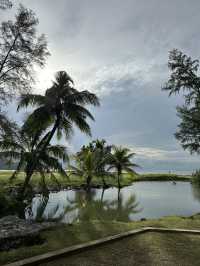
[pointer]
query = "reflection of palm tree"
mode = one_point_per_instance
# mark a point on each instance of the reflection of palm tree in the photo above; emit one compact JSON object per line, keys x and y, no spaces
{"x":124,"y":210}
{"x":90,"y":208}
{"x":196,"y":190}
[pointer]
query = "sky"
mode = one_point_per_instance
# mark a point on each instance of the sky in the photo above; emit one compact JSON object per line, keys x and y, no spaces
{"x":119,"y":50}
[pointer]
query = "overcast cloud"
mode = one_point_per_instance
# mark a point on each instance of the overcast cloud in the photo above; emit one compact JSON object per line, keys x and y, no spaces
{"x":119,"y":50}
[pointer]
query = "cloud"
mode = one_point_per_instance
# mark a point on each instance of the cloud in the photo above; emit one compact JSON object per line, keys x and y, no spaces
{"x":125,"y":76}
{"x":162,"y":155}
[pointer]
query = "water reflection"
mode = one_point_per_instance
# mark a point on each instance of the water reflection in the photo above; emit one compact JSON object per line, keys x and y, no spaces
{"x":71,"y":206}
{"x":196,"y":190}
{"x":141,"y":200}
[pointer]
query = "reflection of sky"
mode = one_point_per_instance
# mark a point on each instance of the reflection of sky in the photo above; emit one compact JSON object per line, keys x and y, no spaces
{"x":156,"y":199}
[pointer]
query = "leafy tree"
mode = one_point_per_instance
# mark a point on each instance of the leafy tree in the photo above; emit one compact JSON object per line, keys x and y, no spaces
{"x":185,"y":79}
{"x":22,"y":147}
{"x":21,"y":49}
{"x":120,"y":161}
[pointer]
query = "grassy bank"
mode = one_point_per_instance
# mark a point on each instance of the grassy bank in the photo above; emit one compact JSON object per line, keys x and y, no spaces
{"x":77,"y":181}
{"x":68,"y":235}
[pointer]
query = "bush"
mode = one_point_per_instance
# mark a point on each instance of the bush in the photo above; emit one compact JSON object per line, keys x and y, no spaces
{"x":10,"y":206}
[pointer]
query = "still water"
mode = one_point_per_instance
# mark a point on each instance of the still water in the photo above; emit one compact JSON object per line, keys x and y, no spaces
{"x":141,"y":200}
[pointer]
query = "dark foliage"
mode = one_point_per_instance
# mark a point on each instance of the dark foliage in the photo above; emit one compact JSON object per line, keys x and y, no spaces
{"x":24,"y":148}
{"x":185,"y":79}
{"x":20,"y":50}
{"x":4,"y":4}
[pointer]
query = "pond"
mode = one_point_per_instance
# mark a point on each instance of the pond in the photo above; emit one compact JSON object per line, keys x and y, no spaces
{"x":140,"y":200}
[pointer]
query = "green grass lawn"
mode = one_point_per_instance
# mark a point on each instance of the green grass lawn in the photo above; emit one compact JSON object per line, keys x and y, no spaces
{"x":76,"y":181}
{"x":68,"y":235}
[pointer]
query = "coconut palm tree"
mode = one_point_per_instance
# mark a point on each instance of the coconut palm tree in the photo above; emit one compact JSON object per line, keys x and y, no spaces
{"x":17,"y":146}
{"x":89,"y":164}
{"x":62,"y":106}
{"x":101,"y":150}
{"x":120,"y":161}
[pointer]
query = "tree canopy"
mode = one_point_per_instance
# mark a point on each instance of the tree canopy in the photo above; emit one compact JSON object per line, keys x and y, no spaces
{"x":185,"y":79}
{"x":4,"y":4}
{"x":21,"y":49}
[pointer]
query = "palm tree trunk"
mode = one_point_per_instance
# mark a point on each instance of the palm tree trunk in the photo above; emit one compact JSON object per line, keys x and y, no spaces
{"x":118,"y":178}
{"x":25,"y":184}
{"x":104,"y":182}
{"x":88,"y":181}
{"x":118,"y":195}
{"x":30,"y":170}
{"x":102,"y":194}
{"x":46,"y":143}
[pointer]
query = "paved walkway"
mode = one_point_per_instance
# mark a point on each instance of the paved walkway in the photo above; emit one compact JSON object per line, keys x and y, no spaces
{"x":148,"y":249}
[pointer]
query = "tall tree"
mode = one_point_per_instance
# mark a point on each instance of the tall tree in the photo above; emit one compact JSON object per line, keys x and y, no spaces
{"x":185,"y":80}
{"x":120,"y":161}
{"x":21,"y":49}
{"x":60,"y":108}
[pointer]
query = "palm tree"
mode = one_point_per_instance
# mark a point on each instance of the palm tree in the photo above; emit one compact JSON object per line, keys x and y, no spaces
{"x":120,"y":161}
{"x":88,"y":165}
{"x":102,"y":151}
{"x":61,"y":106}
{"x":17,"y":146}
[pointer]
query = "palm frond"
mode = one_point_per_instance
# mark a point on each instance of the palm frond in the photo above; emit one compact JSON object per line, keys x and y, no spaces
{"x":83,"y":98}
{"x":9,"y":145}
{"x":54,"y":179}
{"x":30,"y":99}
{"x":13,"y":155}
{"x":80,"y":122}
{"x":19,"y":167}
{"x":53,"y":164}
{"x":78,"y":109}
{"x":66,"y":128}
{"x":58,"y":151}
